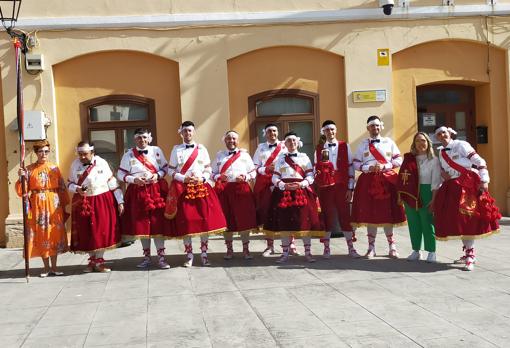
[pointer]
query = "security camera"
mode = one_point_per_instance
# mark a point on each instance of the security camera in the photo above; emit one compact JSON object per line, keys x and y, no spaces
{"x":387,"y":6}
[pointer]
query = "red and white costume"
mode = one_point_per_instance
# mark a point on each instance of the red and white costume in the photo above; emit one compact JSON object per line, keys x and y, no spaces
{"x":375,"y":202}
{"x":334,"y":178}
{"x":95,"y":224}
{"x":460,"y":212}
{"x":237,"y":199}
{"x":265,"y":155}
{"x":145,"y":204}
{"x":293,"y":212}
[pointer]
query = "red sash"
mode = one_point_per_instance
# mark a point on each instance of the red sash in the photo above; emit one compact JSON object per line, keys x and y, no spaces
{"x":144,"y":161}
{"x":295,"y":166}
{"x":377,"y":155}
{"x":229,"y":162}
{"x":177,"y":188}
{"x":220,"y":186}
{"x":86,"y":208}
{"x":468,"y":178}
{"x":273,"y":155}
{"x":85,"y":174}
{"x":408,"y":182}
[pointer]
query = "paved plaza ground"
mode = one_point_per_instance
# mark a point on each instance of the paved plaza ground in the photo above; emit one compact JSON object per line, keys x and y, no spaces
{"x":339,"y":302}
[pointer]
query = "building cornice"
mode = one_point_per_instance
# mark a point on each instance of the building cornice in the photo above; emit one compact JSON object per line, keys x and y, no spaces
{"x":226,"y":19}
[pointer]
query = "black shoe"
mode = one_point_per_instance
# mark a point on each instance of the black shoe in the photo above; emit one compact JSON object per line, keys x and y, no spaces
{"x":126,"y":244}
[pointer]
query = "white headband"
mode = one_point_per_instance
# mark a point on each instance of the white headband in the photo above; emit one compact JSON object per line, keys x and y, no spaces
{"x":445,"y":129}
{"x":148,"y":135}
{"x":85,"y":148}
{"x":229,"y":132}
{"x":264,"y":131}
{"x":376,"y":121}
{"x":181,"y":128}
{"x":298,"y":139}
{"x":323,"y":129}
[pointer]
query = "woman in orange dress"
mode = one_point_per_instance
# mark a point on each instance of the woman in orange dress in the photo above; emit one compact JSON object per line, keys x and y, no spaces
{"x":47,"y":200}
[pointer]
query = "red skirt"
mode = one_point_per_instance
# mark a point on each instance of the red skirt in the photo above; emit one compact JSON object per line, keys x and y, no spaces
{"x":238,"y":206}
{"x":376,"y":211}
{"x":293,"y":220}
{"x":262,"y":193}
{"x":144,"y":211}
{"x":459,"y":214}
{"x":200,"y":215}
{"x":332,"y":199}
{"x":98,"y":231}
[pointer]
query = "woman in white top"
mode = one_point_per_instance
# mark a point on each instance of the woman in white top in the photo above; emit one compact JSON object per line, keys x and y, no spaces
{"x":419,"y":179}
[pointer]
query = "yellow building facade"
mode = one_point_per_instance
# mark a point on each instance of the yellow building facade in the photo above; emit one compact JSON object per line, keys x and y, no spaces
{"x":113,"y":65}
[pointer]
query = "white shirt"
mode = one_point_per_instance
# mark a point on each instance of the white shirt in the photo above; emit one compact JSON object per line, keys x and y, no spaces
{"x":462,"y":153}
{"x":241,"y":166}
{"x":99,"y":180}
{"x":283,"y":170}
{"x":429,"y":171}
{"x":131,"y":168}
{"x":363,"y":159}
{"x":333,"y":158}
{"x":201,"y":167}
{"x":263,"y":152}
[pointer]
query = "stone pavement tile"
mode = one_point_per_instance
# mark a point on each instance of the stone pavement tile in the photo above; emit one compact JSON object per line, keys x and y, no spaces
{"x":56,"y":341}
{"x":53,"y":331}
{"x":283,"y":315}
{"x":462,"y":341}
{"x":75,"y":314}
{"x":28,"y":295}
{"x":313,"y":341}
{"x":125,"y":311}
{"x":175,"y":281}
{"x":13,"y":340}
{"x":497,"y":333}
{"x":231,"y":321}
{"x":14,"y":315}
{"x":176,"y":321}
{"x":421,"y":331}
{"x":116,"y":334}
{"x":17,"y":329}
{"x":179,"y":341}
{"x":210,"y":279}
{"x":493,"y":301}
{"x":246,"y":278}
{"x":392,"y":339}
{"x":402,"y":314}
{"x":372,"y":327}
{"x":367,"y":293}
{"x":77,"y":293}
{"x":330,"y":305}
{"x":409,"y":287}
{"x":125,"y":290}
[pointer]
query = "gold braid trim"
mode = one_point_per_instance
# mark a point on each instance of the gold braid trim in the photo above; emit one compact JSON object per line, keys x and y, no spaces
{"x":299,"y":234}
{"x":368,"y":224}
{"x":469,"y":237}
{"x":115,"y":246}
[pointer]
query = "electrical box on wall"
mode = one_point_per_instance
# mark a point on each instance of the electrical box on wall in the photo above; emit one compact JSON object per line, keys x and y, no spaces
{"x":34,"y":62}
{"x":34,"y":125}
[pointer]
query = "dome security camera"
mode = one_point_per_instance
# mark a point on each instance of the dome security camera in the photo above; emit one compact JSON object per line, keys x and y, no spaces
{"x":387,"y":6}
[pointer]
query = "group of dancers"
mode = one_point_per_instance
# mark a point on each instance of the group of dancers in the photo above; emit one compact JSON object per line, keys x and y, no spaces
{"x":278,"y":192}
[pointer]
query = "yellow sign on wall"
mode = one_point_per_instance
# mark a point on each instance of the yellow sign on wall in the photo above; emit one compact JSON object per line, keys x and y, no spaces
{"x":383,"y":56}
{"x":378,"y":95}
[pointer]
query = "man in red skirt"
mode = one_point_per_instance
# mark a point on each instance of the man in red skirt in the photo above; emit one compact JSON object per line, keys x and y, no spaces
{"x":97,"y":198}
{"x":334,"y":176}
{"x":232,"y":171}
{"x":375,"y":202}
{"x":196,"y":210}
{"x":463,"y":208}
{"x":144,"y":168}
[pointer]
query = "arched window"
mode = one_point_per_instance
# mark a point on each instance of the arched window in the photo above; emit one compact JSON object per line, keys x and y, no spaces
{"x":289,"y":109}
{"x":110,"y":121}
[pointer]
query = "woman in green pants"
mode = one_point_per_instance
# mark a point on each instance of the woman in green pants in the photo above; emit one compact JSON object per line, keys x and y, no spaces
{"x":419,"y":179}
